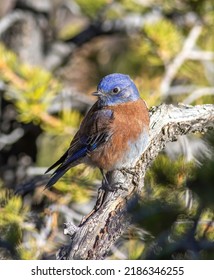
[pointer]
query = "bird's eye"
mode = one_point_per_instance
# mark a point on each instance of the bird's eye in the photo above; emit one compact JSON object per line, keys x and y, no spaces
{"x":116,"y":90}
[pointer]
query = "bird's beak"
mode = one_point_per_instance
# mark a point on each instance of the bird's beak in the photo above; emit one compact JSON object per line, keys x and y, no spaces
{"x":98,"y":93}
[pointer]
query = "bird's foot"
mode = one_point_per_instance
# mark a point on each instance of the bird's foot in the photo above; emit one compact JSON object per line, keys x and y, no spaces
{"x":113,"y":187}
{"x":117,"y":186}
{"x":112,"y":183}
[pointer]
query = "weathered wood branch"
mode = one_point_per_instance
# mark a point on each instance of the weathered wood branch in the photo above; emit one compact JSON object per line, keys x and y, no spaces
{"x":110,"y":217}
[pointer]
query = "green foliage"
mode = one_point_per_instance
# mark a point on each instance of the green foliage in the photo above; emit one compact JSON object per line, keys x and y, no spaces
{"x":30,"y":88}
{"x":13,"y":215}
{"x":163,"y":213}
{"x":167,"y":175}
{"x":90,"y":7}
{"x":192,"y":72}
{"x":70,"y":30}
{"x":166,"y":46}
{"x":132,"y":6}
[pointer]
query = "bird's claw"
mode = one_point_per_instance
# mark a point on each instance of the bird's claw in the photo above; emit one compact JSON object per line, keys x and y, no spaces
{"x":114,"y":187}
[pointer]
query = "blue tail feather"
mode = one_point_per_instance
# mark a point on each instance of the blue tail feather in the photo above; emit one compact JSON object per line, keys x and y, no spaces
{"x":65,"y":166}
{"x":55,"y":177}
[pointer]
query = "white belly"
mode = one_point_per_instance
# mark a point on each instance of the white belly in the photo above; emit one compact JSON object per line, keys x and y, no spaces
{"x":134,"y":152}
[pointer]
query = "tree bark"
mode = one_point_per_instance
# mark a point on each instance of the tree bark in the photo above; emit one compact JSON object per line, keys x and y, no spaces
{"x":111,"y":215}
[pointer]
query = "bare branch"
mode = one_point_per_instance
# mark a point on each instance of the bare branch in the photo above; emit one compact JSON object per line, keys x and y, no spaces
{"x":13,"y":137}
{"x":181,"y":89}
{"x":199,"y":93}
{"x":173,"y":68}
{"x":9,"y":20}
{"x":110,"y":216}
{"x":201,"y":55}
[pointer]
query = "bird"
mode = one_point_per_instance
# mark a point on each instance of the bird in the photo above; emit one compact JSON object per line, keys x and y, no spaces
{"x":113,"y":134}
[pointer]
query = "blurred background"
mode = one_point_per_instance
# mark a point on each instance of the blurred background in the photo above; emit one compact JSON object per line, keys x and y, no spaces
{"x":52,"y":55}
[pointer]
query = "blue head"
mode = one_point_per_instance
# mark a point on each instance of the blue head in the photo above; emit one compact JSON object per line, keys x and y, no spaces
{"x":115,"y":89}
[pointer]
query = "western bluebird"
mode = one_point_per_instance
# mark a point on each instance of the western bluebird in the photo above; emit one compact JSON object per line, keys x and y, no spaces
{"x":113,"y":134}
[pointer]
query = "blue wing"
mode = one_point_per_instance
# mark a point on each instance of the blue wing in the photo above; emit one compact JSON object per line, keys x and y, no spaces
{"x":93,"y":132}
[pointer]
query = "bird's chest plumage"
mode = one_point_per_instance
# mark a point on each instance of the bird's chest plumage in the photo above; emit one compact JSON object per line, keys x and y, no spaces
{"x":129,"y":137}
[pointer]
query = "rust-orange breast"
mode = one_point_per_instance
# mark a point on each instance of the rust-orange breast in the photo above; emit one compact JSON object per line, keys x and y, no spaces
{"x":130,"y":128}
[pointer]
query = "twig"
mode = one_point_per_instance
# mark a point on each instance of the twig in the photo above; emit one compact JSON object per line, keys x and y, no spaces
{"x":69,"y":97}
{"x":199,"y":93}
{"x":13,"y":137}
{"x":181,"y":89}
{"x":9,"y":20}
{"x":201,"y":55}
